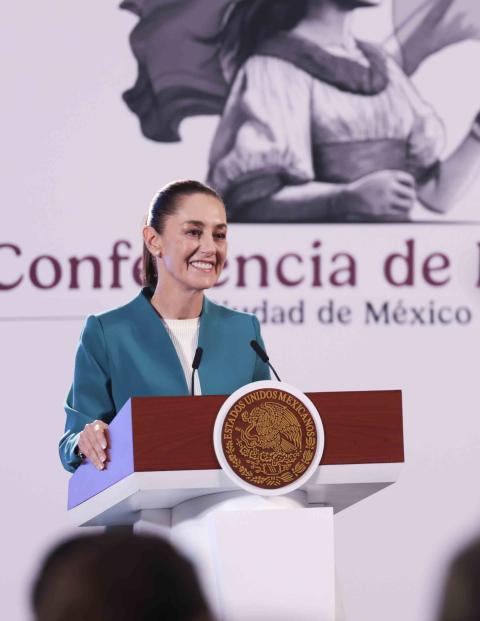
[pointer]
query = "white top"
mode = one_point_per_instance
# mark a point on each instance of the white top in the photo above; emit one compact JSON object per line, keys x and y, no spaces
{"x":184,"y":335}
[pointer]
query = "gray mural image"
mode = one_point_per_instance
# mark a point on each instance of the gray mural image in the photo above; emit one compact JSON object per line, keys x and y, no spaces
{"x":315,"y":125}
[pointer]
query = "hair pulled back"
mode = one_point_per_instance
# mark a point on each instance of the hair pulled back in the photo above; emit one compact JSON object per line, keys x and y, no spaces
{"x":165,"y":203}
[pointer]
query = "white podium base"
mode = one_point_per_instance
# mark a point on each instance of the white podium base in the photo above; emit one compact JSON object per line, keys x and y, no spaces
{"x":258,"y":558}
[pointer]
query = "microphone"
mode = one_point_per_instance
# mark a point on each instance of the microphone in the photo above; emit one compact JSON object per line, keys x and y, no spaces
{"x":195,"y":364}
{"x":262,"y":354}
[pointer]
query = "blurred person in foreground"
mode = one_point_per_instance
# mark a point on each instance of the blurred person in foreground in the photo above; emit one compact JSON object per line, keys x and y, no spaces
{"x":117,"y":577}
{"x":461,"y":597}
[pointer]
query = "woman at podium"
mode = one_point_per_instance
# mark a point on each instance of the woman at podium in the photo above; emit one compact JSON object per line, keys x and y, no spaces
{"x":147,"y":347}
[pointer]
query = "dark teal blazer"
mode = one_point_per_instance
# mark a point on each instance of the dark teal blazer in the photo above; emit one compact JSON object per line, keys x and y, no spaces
{"x":126,"y":352}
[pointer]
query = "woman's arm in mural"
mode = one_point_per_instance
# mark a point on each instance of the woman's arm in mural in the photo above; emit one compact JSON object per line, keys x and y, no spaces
{"x":386,"y":193}
{"x":453,"y":176}
{"x":306,"y":202}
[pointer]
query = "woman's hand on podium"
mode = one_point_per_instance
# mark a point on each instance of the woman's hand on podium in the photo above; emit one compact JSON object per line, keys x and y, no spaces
{"x":93,"y":443}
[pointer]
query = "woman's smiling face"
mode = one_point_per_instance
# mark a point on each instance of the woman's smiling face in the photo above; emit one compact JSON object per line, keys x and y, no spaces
{"x":193,"y":245}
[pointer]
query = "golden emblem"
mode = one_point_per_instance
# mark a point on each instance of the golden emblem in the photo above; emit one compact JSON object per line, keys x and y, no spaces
{"x":269,"y":438}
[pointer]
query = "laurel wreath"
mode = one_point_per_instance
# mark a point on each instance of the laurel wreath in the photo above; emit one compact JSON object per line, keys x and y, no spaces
{"x":255,"y":476}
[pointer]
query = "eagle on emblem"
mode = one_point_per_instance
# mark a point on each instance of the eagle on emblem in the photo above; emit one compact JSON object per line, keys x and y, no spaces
{"x":272,"y":426}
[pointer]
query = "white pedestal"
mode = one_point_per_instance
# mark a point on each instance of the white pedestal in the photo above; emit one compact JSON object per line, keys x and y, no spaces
{"x":258,"y":558}
{"x":169,"y":503}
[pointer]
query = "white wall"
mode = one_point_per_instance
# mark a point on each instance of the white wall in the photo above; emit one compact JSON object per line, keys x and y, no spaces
{"x":78,"y":176}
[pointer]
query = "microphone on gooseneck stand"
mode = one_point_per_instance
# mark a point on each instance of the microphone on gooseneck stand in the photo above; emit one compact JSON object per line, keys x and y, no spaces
{"x":262,"y":354}
{"x":195,"y":364}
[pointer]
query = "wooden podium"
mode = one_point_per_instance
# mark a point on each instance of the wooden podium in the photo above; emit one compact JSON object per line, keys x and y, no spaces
{"x":163,"y":476}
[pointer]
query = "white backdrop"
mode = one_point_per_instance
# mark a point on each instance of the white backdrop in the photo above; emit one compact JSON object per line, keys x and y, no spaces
{"x":78,"y":176}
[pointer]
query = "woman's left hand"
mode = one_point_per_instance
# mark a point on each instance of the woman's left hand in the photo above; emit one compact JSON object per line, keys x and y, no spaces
{"x":93,"y":442}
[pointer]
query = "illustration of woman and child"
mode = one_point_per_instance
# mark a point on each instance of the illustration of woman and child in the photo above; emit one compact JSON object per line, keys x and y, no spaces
{"x":315,"y":124}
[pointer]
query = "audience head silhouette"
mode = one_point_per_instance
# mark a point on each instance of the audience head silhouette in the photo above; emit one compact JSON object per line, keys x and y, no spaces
{"x":117,"y":577}
{"x":461,"y":599}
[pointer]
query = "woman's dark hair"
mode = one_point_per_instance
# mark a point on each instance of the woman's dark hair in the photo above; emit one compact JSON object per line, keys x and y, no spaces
{"x":164,"y":204}
{"x":250,"y":22}
{"x":117,"y":577}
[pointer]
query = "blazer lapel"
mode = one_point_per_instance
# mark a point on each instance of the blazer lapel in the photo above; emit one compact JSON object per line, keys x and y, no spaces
{"x":166,"y":354}
{"x":208,"y":341}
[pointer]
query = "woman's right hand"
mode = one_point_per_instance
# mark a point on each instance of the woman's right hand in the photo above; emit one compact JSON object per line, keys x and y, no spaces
{"x":93,"y":443}
{"x":385,"y":193}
